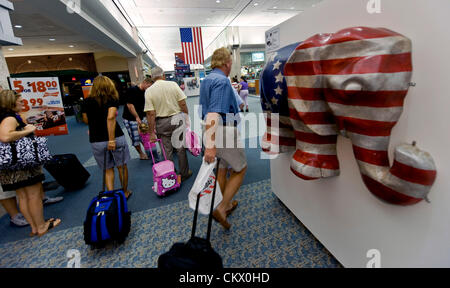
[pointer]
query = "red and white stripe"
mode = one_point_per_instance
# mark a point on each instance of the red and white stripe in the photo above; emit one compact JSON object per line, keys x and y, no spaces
{"x":354,"y":82}
{"x":193,"y":52}
{"x":279,"y":136}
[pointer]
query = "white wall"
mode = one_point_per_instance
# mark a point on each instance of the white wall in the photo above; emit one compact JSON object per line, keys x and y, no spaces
{"x":341,"y":212}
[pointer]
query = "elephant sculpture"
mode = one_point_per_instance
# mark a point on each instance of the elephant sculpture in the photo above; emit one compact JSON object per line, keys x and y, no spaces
{"x":279,"y":138}
{"x":353,"y":83}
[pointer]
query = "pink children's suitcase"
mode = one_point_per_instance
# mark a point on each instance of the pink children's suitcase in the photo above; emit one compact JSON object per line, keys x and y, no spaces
{"x":165,"y":178}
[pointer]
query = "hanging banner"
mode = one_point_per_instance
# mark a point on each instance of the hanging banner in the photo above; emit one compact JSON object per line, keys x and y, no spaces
{"x":43,"y":104}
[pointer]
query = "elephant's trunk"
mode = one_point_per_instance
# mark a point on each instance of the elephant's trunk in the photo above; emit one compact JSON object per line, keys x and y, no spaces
{"x":408,"y":181}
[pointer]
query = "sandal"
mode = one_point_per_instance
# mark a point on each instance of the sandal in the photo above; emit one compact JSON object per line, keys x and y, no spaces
{"x":235,"y":205}
{"x":51,"y":225}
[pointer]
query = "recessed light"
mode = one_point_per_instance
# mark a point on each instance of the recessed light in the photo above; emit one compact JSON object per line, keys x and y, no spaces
{"x":275,"y":7}
{"x":71,"y":46}
{"x":52,"y":39}
{"x":29,"y":61}
{"x":18,"y":26}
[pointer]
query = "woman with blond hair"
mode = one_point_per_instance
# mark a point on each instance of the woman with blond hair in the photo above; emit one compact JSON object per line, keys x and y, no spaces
{"x":108,"y":142}
{"x":28,"y":182}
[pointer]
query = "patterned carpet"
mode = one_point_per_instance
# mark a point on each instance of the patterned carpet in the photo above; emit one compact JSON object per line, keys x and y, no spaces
{"x":264,"y":235}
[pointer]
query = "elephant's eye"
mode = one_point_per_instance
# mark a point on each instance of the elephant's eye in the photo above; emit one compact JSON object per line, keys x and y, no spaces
{"x":353,"y":86}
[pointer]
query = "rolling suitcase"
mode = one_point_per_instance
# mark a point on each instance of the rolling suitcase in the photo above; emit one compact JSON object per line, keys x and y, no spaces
{"x":197,"y":253}
{"x":165,"y":178}
{"x":68,"y":171}
{"x":108,"y":218}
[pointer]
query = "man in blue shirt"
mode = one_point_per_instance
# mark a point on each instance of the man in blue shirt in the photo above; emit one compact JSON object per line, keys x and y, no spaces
{"x":219,"y":109}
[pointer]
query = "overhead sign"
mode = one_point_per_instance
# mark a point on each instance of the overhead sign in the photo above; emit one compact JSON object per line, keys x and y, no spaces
{"x":43,"y":104}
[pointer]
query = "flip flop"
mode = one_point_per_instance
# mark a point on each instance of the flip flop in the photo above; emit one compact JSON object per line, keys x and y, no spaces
{"x":129,"y":195}
{"x":50,"y":226}
{"x":235,"y":205}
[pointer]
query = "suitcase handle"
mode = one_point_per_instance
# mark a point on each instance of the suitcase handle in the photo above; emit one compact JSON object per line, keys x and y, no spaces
{"x":104,"y":169}
{"x":162,"y":148}
{"x":194,"y":226}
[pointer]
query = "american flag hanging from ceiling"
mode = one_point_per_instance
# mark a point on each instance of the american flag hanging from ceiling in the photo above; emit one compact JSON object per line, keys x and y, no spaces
{"x":192,"y":45}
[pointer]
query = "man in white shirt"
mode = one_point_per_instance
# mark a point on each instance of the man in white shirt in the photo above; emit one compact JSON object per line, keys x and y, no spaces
{"x":167,"y":112}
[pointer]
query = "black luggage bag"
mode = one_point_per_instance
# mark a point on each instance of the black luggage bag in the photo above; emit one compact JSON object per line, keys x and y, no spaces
{"x":197,"y":253}
{"x":68,"y":171}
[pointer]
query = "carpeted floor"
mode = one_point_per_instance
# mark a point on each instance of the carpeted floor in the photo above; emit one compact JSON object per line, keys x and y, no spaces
{"x":264,"y":232}
{"x":264,"y":235}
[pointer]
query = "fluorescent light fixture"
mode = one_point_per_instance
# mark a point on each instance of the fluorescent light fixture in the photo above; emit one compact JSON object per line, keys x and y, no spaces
{"x":18,"y":26}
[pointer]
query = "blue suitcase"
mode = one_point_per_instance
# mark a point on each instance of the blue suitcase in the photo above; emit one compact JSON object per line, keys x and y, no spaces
{"x":108,"y":218}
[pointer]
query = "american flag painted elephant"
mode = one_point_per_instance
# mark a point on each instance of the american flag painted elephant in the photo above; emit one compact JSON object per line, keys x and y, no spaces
{"x":353,"y":83}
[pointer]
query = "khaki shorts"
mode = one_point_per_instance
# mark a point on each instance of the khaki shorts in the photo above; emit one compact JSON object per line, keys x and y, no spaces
{"x":230,"y":149}
{"x":6,"y":194}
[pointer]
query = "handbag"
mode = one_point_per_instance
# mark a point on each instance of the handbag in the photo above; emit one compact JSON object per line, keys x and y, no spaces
{"x":27,"y":152}
{"x":197,"y":253}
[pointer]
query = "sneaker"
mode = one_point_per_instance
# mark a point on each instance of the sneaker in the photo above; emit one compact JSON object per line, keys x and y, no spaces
{"x":48,"y":201}
{"x":19,"y":221}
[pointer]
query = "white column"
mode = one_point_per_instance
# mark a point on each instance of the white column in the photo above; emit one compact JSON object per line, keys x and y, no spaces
{"x":136,"y":65}
{"x":4,"y":72}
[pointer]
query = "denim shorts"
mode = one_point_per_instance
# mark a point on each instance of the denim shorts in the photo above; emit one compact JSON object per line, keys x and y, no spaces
{"x":116,"y":158}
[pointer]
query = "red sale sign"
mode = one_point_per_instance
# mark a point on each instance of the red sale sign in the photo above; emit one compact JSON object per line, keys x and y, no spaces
{"x":43,"y":106}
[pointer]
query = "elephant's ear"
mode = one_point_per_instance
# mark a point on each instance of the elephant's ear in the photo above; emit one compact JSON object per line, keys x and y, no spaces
{"x":306,"y":89}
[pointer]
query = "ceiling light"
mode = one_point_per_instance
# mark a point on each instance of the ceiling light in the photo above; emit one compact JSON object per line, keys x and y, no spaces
{"x":218,"y":1}
{"x":71,"y":46}
{"x":275,"y":7}
{"x":29,"y":61}
{"x":256,"y":4}
{"x":18,"y":26}
{"x":11,"y":49}
{"x":52,"y":39}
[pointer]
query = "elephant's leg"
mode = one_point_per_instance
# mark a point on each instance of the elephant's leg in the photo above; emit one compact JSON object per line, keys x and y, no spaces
{"x":316,"y":155}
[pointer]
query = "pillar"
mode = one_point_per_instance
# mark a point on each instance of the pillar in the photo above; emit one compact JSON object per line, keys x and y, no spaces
{"x":4,"y":72}
{"x":136,"y":64}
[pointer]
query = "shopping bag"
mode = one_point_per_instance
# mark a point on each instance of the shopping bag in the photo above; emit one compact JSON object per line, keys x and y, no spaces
{"x":204,"y":185}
